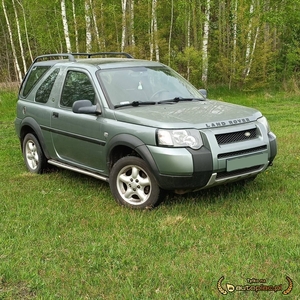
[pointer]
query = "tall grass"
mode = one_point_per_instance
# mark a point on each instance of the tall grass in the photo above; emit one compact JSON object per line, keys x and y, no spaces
{"x":63,"y":237}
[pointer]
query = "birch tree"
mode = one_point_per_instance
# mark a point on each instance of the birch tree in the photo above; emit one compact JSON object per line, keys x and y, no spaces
{"x":19,"y":37}
{"x":124,"y":6}
{"x":16,"y":63}
{"x":132,"y":23}
{"x":153,"y":32}
{"x":88,"y":27}
{"x":205,"y":43}
{"x":75,"y":26}
{"x":65,"y":25}
{"x":251,"y":42}
{"x":95,"y":24}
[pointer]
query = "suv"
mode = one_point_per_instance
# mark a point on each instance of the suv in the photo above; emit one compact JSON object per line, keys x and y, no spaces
{"x":136,"y":124}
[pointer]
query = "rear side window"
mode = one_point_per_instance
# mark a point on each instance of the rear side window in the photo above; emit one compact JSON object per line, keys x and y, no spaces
{"x":34,"y":76}
{"x":44,"y":91}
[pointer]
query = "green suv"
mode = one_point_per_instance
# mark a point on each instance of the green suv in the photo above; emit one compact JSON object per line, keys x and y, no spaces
{"x":136,"y":124}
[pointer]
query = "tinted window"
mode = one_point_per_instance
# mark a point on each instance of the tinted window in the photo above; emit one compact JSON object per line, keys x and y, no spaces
{"x":35,"y":75}
{"x":77,"y":86}
{"x":43,"y":93}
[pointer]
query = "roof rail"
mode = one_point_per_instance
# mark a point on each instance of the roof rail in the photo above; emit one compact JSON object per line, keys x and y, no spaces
{"x":68,"y":55}
{"x":71,"y":57}
{"x":89,"y":55}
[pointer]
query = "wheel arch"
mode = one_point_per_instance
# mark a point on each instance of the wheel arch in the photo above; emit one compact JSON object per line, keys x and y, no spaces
{"x":125,"y":145}
{"x":29,"y":125}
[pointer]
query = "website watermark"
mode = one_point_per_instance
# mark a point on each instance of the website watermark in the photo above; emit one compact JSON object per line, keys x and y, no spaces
{"x":255,"y":285}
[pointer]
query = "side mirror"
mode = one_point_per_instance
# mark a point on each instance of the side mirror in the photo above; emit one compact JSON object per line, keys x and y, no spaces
{"x":203,"y":92}
{"x":85,"y":107}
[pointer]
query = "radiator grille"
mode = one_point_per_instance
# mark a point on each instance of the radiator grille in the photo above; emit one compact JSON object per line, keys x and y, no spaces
{"x":232,"y":137}
{"x":242,"y":152}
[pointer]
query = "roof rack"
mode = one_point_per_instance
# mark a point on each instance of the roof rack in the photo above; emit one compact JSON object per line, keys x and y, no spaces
{"x":89,"y":55}
{"x":43,"y":57}
{"x":71,"y":57}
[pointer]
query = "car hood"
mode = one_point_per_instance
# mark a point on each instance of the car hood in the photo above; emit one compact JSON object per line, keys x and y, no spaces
{"x":193,"y":114}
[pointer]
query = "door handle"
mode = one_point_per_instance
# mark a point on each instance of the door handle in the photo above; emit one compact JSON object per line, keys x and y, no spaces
{"x":55,"y":114}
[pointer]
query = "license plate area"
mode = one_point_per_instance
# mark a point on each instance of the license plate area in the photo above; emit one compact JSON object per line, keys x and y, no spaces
{"x":246,"y":162}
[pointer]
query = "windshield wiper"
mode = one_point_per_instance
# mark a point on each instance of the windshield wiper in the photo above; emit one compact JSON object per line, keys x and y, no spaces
{"x":177,"y":99}
{"x":135,"y":103}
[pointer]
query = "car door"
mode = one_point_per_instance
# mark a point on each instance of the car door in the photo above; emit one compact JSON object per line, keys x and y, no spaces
{"x":78,"y":138}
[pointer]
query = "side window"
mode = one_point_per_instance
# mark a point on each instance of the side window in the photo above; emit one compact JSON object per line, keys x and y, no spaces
{"x":77,"y":86}
{"x":43,"y":93}
{"x":34,"y":76}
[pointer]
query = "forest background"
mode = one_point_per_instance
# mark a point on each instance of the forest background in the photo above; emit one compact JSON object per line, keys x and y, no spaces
{"x":246,"y":44}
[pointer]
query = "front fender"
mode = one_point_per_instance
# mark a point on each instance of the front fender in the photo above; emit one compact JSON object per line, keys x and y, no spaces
{"x":135,"y":144}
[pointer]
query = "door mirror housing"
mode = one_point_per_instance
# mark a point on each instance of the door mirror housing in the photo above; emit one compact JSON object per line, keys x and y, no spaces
{"x":85,"y":107}
{"x":203,"y":92}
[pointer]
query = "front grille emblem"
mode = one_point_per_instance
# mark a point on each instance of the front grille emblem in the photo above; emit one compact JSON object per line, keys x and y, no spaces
{"x":247,"y":134}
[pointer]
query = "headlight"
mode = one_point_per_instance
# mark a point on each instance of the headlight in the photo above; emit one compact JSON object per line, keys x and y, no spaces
{"x":264,"y":121}
{"x":179,"y":138}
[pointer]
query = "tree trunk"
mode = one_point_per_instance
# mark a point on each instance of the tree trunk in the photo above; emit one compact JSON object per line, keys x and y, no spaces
{"x":19,"y":37}
{"x":95,"y":24}
{"x":65,"y":25}
{"x":88,"y":27}
{"x":26,"y":31}
{"x":16,"y":63}
{"x":234,"y":46}
{"x":205,"y":43}
{"x":124,"y":31}
{"x":171,"y":29}
{"x":154,"y":30}
{"x":132,"y":23}
{"x":75,"y":26}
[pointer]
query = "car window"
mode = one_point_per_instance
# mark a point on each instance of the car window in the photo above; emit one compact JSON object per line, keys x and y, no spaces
{"x":77,"y":86}
{"x":43,"y":93}
{"x":125,"y":85}
{"x":34,"y":76}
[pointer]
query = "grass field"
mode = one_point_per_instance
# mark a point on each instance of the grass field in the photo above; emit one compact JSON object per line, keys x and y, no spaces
{"x":63,"y":236}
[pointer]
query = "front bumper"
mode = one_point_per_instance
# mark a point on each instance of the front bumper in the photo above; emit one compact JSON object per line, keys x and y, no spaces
{"x":187,"y":169}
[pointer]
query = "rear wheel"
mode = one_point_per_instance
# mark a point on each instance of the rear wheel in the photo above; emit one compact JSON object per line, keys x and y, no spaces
{"x":133,"y":184}
{"x":34,"y":157}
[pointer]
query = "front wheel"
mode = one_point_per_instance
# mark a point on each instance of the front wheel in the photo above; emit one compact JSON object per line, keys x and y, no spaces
{"x":133,"y":184}
{"x":33,"y":154}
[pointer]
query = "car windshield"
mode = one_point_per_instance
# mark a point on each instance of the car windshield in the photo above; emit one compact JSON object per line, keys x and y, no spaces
{"x":145,"y":85}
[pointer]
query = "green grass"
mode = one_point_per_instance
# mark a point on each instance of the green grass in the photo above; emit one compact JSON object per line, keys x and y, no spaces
{"x":63,"y":236}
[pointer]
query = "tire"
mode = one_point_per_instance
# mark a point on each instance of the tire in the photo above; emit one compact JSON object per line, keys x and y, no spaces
{"x":133,"y":184}
{"x":34,"y":157}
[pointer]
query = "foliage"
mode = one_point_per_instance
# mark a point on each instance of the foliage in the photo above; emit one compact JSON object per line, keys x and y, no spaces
{"x":251,"y":43}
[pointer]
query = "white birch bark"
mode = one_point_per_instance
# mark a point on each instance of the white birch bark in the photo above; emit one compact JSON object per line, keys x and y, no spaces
{"x":132,"y":22}
{"x":95,"y":24}
{"x":248,"y":68}
{"x":19,"y":37}
{"x":75,"y":26}
{"x":26,"y":30}
{"x":102,"y":37}
{"x":124,"y":5}
{"x":154,"y":30}
{"x":234,"y":32}
{"x":234,"y":47}
{"x":248,"y":45}
{"x":16,"y":63}
{"x":65,"y":25}
{"x":88,"y":27}
{"x":205,"y":43}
